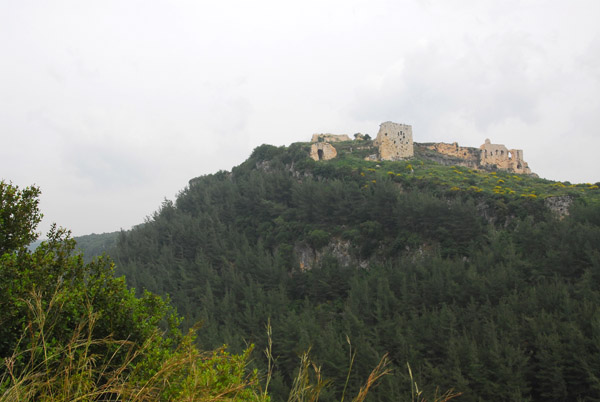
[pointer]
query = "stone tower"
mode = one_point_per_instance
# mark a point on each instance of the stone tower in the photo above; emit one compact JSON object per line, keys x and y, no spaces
{"x":394,"y":141}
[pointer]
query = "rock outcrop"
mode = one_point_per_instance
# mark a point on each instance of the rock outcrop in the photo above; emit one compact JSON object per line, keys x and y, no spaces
{"x":308,"y":257}
{"x":468,"y":154}
{"x":394,"y":141}
{"x":559,"y":204}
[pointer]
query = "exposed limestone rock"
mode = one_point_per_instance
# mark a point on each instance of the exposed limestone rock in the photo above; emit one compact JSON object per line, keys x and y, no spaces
{"x":467,"y":154}
{"x":503,"y":158}
{"x":559,"y":205}
{"x":322,"y":151}
{"x":329,"y":138}
{"x":306,"y":256}
{"x":338,"y":248}
{"x":394,"y":141}
{"x":265,"y":166}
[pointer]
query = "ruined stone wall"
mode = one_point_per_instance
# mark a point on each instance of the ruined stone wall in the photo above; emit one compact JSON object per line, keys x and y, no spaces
{"x":394,"y":141}
{"x":329,"y":138}
{"x":322,"y":151}
{"x":503,"y":158}
{"x":469,"y":154}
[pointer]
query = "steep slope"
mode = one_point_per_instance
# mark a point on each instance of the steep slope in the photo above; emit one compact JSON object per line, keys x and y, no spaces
{"x":467,"y":275}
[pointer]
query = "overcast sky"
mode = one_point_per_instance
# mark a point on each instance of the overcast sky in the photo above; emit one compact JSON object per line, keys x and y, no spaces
{"x":111,"y":106}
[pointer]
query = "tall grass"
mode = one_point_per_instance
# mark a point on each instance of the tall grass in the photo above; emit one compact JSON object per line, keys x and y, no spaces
{"x":42,"y":370}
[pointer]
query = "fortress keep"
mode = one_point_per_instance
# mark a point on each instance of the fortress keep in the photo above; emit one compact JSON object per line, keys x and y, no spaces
{"x":394,"y":141}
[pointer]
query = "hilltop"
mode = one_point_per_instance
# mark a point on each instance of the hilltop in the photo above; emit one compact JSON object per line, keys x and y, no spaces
{"x":482,"y":279}
{"x":395,"y":142}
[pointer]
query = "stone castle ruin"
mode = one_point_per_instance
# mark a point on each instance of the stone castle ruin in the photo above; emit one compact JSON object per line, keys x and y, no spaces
{"x":394,"y":142}
{"x":329,"y":138}
{"x":469,"y":156}
{"x":321,"y":149}
{"x":503,"y":158}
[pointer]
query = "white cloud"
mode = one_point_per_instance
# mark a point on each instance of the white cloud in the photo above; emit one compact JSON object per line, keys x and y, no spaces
{"x":111,"y":106}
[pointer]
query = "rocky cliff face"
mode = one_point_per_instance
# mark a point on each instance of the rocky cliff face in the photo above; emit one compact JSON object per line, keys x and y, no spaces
{"x":559,"y":205}
{"x":338,"y":248}
{"x":449,"y":154}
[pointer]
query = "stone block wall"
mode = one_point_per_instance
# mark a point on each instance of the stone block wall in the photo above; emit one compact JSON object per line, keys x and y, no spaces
{"x":329,"y":138}
{"x":503,"y":158}
{"x":322,"y":151}
{"x":394,"y":141}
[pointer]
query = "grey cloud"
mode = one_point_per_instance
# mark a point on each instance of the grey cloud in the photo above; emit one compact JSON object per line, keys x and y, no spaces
{"x":487,"y":82}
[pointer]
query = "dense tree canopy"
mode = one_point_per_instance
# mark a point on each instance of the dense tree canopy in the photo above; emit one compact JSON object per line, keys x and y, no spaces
{"x":73,"y":331}
{"x":485,"y":291}
{"x":19,"y":216}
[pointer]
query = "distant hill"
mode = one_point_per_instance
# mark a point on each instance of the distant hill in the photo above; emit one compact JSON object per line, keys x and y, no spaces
{"x":93,"y":245}
{"x":483,"y":280}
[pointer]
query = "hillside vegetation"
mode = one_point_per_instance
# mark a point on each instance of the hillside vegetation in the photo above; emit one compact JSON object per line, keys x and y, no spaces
{"x":71,"y":331}
{"x":466,"y":275}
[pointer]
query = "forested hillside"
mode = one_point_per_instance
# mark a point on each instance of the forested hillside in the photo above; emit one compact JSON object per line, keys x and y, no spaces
{"x":71,"y":331}
{"x":466,"y":275}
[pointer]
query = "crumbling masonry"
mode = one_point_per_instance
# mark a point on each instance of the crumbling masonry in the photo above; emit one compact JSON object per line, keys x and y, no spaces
{"x":395,"y":142}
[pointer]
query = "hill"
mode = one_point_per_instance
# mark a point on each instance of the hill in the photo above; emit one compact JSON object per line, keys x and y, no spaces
{"x":485,"y":281}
